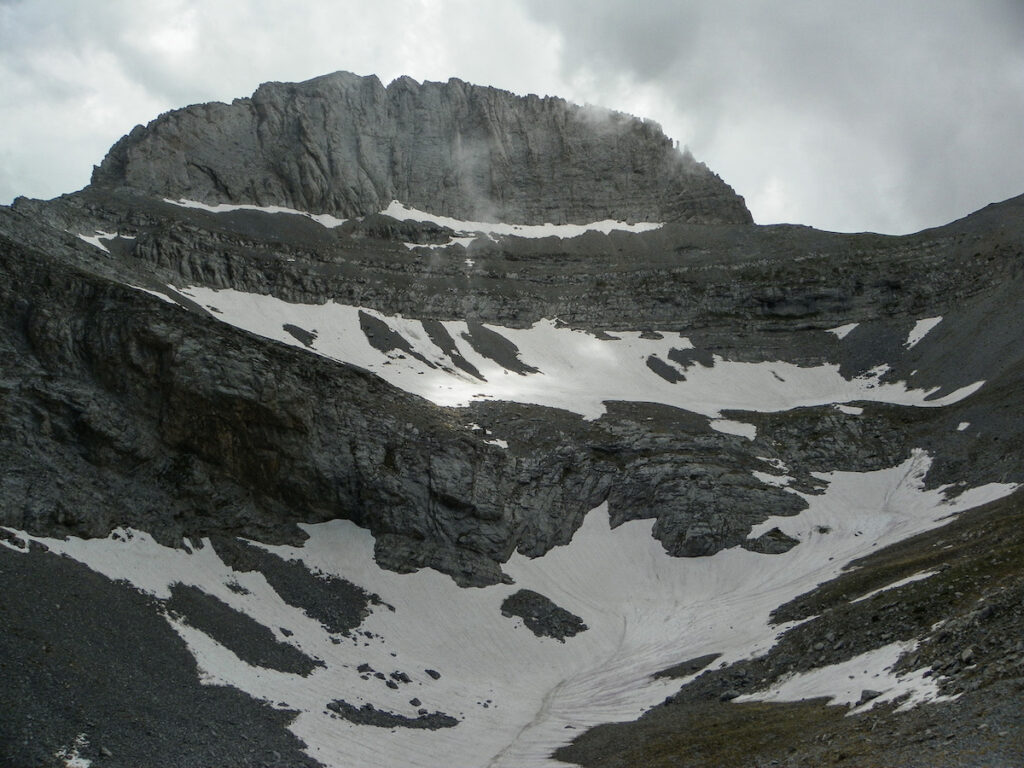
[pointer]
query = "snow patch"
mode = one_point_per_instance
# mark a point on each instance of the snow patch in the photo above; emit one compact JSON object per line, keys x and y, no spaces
{"x":842,"y":331}
{"x":158,"y":294}
{"x":850,"y":410}
{"x":846,"y":682}
{"x":99,"y":236}
{"x":324,"y":219}
{"x":962,"y":426}
{"x":896,"y":585}
{"x":729,"y":427}
{"x":920,"y":330}
{"x":464,"y":228}
{"x":779,"y":481}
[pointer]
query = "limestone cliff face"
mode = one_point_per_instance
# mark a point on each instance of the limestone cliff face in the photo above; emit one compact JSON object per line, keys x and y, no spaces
{"x":346,"y":145}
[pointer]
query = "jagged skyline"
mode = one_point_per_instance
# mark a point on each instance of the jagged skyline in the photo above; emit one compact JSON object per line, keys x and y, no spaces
{"x":840,"y":117}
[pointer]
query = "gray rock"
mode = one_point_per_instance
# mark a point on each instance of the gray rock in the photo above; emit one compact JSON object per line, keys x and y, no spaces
{"x":346,"y":145}
{"x":367,"y":714}
{"x":867,"y":695}
{"x":541,"y":616}
{"x":773,"y":542}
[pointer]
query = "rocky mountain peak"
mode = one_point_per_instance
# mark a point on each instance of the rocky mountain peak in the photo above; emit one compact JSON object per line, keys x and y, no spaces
{"x":347,"y":145}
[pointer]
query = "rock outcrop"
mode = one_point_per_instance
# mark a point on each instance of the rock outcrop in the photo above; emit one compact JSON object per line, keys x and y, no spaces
{"x":346,"y":145}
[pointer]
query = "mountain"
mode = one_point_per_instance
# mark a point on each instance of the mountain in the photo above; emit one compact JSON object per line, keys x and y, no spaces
{"x":346,"y":145}
{"x":428,"y":424}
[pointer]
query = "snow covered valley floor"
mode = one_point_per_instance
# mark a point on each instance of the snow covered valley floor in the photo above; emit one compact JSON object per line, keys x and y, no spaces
{"x":441,"y":676}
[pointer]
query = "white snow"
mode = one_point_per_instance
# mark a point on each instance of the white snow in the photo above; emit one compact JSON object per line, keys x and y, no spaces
{"x":498,"y":442}
{"x":842,"y":331}
{"x":578,"y":371}
{"x":920,"y":330}
{"x":100,"y":236}
{"x":962,"y":426}
{"x":844,"y":683}
{"x":645,"y":611}
{"x":729,"y":427}
{"x":779,"y":481}
{"x":895,"y":585}
{"x":851,"y":410}
{"x":465,"y":228}
{"x":70,"y":755}
{"x":324,"y":219}
{"x":161,"y":296}
{"x":778,"y":464}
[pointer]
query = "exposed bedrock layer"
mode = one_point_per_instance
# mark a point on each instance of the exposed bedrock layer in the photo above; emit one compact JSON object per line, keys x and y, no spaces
{"x":347,"y":145}
{"x":120,"y":409}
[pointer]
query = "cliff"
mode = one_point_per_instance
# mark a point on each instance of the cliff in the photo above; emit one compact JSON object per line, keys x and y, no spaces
{"x":348,"y":146}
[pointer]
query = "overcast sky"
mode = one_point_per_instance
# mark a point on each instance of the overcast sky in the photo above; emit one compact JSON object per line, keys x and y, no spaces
{"x":887,"y":116}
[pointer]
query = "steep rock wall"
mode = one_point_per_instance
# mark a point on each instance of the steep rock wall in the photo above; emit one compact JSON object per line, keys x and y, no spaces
{"x":346,"y":145}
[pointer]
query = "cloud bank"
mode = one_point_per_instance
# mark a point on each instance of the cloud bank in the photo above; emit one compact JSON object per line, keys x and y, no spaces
{"x":846,"y":116}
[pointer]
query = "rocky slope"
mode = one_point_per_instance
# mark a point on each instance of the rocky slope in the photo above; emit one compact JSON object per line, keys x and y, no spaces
{"x":241,"y":366}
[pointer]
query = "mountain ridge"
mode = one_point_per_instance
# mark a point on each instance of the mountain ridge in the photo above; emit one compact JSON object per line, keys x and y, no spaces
{"x":346,"y":145}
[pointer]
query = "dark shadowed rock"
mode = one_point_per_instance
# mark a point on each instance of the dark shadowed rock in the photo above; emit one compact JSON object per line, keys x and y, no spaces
{"x":249,"y":640}
{"x":541,"y":616}
{"x":81,"y":654}
{"x":773,"y":542}
{"x":370,"y":715}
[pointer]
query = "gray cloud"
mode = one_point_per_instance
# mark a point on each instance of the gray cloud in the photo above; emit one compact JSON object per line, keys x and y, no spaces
{"x":869,"y":115}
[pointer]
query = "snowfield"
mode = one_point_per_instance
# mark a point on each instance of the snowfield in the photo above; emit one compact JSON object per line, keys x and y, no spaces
{"x":555,"y":366}
{"x":517,"y":696}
